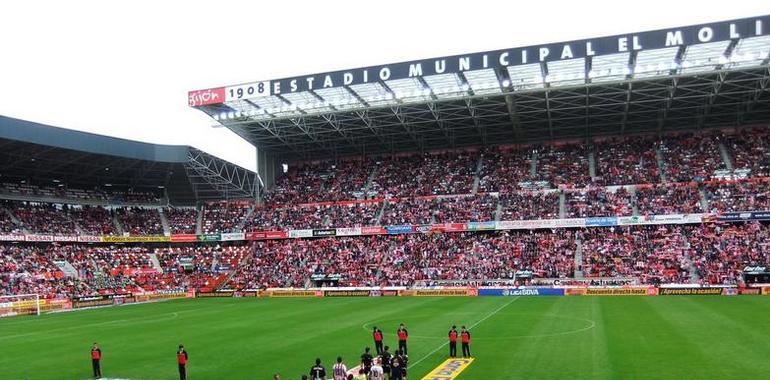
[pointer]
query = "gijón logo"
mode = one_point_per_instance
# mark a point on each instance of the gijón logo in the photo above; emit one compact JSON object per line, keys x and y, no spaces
{"x":204,"y":97}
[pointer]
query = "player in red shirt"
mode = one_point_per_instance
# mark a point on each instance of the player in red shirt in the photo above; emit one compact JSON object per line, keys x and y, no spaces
{"x":465,"y":337}
{"x":403,"y":335}
{"x":181,"y":359}
{"x":377,"y":335}
{"x":453,"y":342}
{"x":96,"y":358}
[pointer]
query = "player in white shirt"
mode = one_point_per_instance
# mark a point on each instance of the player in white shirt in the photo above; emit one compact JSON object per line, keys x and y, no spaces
{"x":376,"y":373}
{"x":340,"y":371}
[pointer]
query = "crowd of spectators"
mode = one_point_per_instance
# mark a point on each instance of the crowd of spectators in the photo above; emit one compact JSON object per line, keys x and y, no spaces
{"x":26,"y":270}
{"x":321,"y":182}
{"x":408,"y":211}
{"x":479,"y":208}
{"x":93,"y":220}
{"x":503,"y":170}
{"x":733,"y":196}
{"x":653,"y":254}
{"x":668,"y":199}
{"x":407,"y":259}
{"x":140,"y":220}
{"x":598,"y":202}
{"x":224,"y":216}
{"x":527,"y":205}
{"x":750,"y":150}
{"x":353,"y":215}
{"x":706,"y":253}
{"x":287,"y":217}
{"x":414,"y":189}
{"x":627,"y":161}
{"x":720,"y":252}
{"x":564,"y":165}
{"x":692,"y":157}
{"x":7,"y":225}
{"x":44,"y":218}
{"x":182,"y":220}
{"x":428,"y":174}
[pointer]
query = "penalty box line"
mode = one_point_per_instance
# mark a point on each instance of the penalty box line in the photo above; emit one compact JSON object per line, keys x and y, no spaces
{"x":472,"y":326}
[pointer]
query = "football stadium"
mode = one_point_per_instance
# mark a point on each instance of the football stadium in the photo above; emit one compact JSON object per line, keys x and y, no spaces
{"x":587,"y":209}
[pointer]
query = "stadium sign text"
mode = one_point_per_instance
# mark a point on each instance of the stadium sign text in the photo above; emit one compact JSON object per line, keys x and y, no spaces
{"x":497,"y":59}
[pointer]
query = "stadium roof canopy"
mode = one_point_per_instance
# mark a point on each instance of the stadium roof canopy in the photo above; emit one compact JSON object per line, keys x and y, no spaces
{"x":45,"y":155}
{"x":649,"y":82}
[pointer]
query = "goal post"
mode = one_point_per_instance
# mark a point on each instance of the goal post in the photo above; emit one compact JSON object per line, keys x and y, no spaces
{"x":20,"y":304}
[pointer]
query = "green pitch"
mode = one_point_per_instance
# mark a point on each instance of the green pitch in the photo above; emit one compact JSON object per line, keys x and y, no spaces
{"x":529,"y":338}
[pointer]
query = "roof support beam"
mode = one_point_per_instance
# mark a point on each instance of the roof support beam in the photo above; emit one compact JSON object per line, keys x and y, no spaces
{"x":711,"y":98}
{"x":434,"y":110}
{"x":399,"y":114}
{"x":626,"y":107}
{"x":667,"y":104}
{"x":229,"y":180}
{"x":335,"y":124}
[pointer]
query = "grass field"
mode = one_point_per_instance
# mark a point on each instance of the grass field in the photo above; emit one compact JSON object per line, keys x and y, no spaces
{"x":703,"y":337}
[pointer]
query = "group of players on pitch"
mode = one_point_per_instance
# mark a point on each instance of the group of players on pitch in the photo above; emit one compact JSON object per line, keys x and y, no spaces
{"x":386,"y":365}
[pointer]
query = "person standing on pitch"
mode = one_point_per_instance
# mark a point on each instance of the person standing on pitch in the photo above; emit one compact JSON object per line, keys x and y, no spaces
{"x":377,"y":373}
{"x":395,"y":367}
{"x":404,"y":360}
{"x":403,"y":335}
{"x":453,"y":342}
{"x":385,"y":358}
{"x":339,"y":371}
{"x":366,"y":361}
{"x":318,"y":372}
{"x":96,"y":359}
{"x":466,"y":341}
{"x":181,"y":359}
{"x":377,"y":334}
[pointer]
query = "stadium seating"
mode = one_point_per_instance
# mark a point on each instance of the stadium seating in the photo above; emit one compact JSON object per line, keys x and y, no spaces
{"x":478,"y":208}
{"x":667,"y":199}
{"x":429,"y":174}
{"x":408,"y":211}
{"x":224,"y":216}
{"x":750,"y":151}
{"x":93,"y":220}
{"x":720,"y":252}
{"x":598,"y":202}
{"x":738,"y":196}
{"x":710,"y":253}
{"x":530,"y":205}
{"x":653,"y":254}
{"x":691,"y":157}
{"x":321,"y":182}
{"x":627,"y":161}
{"x":182,"y":220}
{"x":564,"y":165}
{"x":7,"y":225}
{"x":504,"y":170}
{"x":44,"y":218}
{"x":514,"y":183}
{"x":140,"y":221}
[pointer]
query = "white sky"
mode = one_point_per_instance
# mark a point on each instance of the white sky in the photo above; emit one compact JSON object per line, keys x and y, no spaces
{"x":123,"y":68}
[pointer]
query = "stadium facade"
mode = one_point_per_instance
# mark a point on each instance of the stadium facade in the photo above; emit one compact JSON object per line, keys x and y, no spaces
{"x":654,"y":82}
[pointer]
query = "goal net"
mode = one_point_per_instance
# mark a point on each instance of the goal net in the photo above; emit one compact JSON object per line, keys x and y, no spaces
{"x":22,"y":304}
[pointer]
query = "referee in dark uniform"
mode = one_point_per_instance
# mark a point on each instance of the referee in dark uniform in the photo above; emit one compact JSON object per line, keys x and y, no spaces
{"x":318,"y":372}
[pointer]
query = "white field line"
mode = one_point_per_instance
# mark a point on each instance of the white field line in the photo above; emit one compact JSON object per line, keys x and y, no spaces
{"x":472,"y":326}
